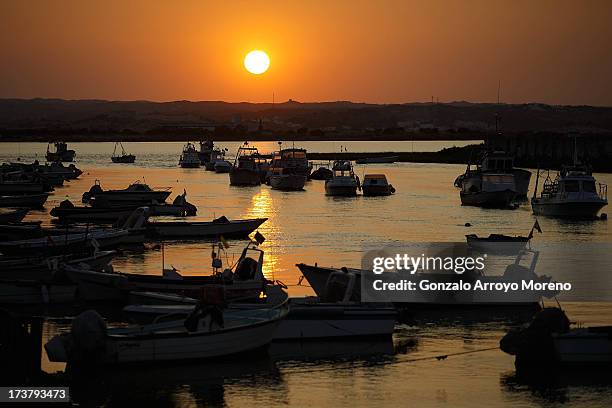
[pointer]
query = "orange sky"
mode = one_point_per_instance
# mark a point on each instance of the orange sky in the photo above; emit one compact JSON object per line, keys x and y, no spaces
{"x":372,"y":51}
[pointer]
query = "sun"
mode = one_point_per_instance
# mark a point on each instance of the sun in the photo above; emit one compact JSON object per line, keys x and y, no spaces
{"x":257,"y":62}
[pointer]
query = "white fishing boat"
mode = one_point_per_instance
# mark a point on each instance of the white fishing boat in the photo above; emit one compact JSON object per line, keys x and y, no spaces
{"x":213,"y":156}
{"x":572,"y":194}
{"x":203,"y":229}
{"x":344,"y":182}
{"x":207,"y":333}
{"x":190,"y":158}
{"x":498,"y":162}
{"x":136,"y":192}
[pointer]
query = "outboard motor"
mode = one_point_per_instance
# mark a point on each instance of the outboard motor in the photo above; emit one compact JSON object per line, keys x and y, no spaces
{"x":95,"y":189}
{"x":534,"y":344}
{"x":88,"y":335}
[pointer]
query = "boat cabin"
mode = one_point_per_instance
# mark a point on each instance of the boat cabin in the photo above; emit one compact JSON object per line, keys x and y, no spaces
{"x":497,"y":161}
{"x":574,"y":183}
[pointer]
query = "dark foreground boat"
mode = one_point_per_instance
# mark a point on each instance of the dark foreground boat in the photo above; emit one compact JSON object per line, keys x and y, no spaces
{"x":549,"y":341}
{"x":200,"y":229}
{"x":24,"y":201}
{"x":207,"y":333}
{"x":136,"y":192}
{"x":13,"y":215}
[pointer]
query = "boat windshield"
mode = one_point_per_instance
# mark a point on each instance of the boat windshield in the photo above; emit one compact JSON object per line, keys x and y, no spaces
{"x":588,"y":186}
{"x":572,"y":186}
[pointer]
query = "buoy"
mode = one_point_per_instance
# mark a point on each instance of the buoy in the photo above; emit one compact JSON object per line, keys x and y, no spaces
{"x":467,"y":224}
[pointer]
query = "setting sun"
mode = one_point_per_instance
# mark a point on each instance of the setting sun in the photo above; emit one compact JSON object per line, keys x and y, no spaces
{"x":257,"y":62}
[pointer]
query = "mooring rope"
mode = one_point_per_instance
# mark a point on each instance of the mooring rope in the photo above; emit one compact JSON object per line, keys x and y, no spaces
{"x":390,"y":363}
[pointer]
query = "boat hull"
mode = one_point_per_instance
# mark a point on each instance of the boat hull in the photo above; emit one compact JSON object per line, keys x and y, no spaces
{"x":374,"y":191}
{"x":130,"y":158}
{"x":288,"y":182}
{"x":194,"y":230}
{"x":584,"y":347}
{"x":340,"y":189}
{"x":24,"y":201}
{"x":568,"y":209}
{"x":244,"y":177}
{"x":13,"y":216}
{"x":324,"y":321}
{"x":127,"y":197}
{"x":488,"y":199}
{"x":9,"y":188}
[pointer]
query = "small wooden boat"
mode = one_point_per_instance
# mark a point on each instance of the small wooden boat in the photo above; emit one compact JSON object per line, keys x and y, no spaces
{"x":499,"y":243}
{"x":549,"y":341}
{"x":207,"y":333}
{"x":61,"y":153}
{"x":201,"y":229}
{"x":136,"y":192}
{"x":124,"y":157}
{"x":377,"y":159}
{"x":44,"y":269}
{"x":8,"y":216}
{"x":376,"y":185}
{"x":61,"y":243}
{"x":246,"y":282}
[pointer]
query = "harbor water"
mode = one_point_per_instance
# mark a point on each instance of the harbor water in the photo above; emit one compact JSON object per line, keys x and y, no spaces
{"x":444,"y":359}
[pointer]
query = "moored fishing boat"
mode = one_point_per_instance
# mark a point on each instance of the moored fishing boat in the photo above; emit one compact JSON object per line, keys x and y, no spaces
{"x":207,"y":333}
{"x":488,"y":190}
{"x":61,"y":153}
{"x":222,"y":166}
{"x":124,"y":157}
{"x":290,"y":161}
{"x":344,"y":182}
{"x":246,"y":282}
{"x":572,"y":194}
{"x":136,"y":192}
{"x":190,"y":158}
{"x":202,"y":229}
{"x":549,"y":341}
{"x":376,"y":185}
{"x":498,"y":162}
{"x":245,"y":170}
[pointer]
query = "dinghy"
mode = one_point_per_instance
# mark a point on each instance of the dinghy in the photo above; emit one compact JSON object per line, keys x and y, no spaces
{"x":136,"y":192}
{"x":246,"y":282}
{"x":201,"y":229}
{"x":207,"y":333}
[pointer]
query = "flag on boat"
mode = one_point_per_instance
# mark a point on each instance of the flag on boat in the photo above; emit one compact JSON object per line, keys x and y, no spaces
{"x":259,"y":238}
{"x":536,"y":226}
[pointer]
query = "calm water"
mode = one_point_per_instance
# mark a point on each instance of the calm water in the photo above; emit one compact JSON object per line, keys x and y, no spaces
{"x":310,"y":227}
